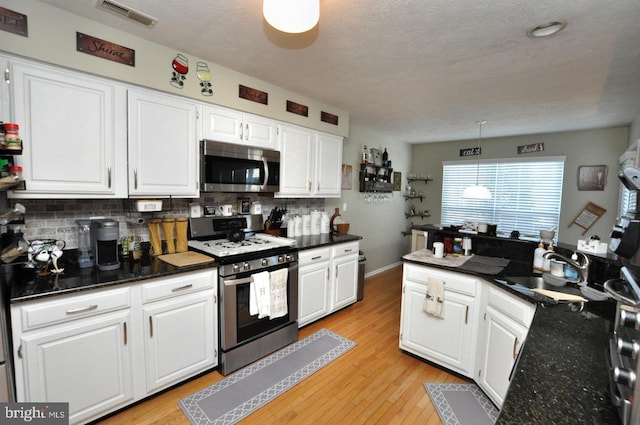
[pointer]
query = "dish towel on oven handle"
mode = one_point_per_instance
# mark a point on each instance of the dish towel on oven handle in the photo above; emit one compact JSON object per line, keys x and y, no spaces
{"x":279,"y":293}
{"x":434,"y":301}
{"x":260,"y":295}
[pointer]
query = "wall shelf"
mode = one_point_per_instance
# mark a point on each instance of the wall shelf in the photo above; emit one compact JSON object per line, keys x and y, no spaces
{"x":374,"y":178}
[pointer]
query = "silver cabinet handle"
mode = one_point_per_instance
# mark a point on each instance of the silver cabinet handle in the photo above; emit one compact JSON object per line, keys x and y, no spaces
{"x":109,"y":177}
{"x":182,"y":288}
{"x":515,"y":345}
{"x":241,"y":132}
{"x":150,"y":327}
{"x":246,"y":135}
{"x":7,"y":76}
{"x":317,"y":257}
{"x":83,"y":309}
{"x":135,"y":178}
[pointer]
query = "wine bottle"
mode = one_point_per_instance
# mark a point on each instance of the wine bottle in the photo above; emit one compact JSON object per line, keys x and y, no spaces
{"x":385,"y":158}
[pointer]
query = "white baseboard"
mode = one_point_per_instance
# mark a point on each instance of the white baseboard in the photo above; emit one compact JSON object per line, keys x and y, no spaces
{"x":382,"y":269}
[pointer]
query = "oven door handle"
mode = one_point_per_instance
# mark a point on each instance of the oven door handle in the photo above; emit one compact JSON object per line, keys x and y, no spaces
{"x":234,"y":282}
{"x":266,"y":173}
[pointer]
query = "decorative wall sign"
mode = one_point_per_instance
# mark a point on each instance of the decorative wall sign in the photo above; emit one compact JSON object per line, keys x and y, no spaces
{"x":105,"y":49}
{"x":347,"y":177}
{"x":253,"y":95}
{"x":471,"y":151}
{"x":592,"y":177}
{"x":180,"y":66}
{"x":397,"y":180}
{"x":328,"y":118}
{"x":534,"y":147}
{"x":13,"y":22}
{"x":204,"y":75}
{"x":297,"y":108}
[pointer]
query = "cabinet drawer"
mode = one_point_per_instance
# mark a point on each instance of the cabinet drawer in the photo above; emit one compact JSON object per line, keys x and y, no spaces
{"x":158,"y":289}
{"x":48,"y":313}
{"x":343,"y":249}
{"x":310,"y":256}
{"x":455,"y":282}
{"x":519,"y":310}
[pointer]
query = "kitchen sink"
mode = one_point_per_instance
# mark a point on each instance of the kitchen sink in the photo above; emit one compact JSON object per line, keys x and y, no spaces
{"x":531,"y":282}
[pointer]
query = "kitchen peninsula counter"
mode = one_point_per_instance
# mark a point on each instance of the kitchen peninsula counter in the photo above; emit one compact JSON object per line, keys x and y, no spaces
{"x":560,"y":376}
{"x":324,"y":239}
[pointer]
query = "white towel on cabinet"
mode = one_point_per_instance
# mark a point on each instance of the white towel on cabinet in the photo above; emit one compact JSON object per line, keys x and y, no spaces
{"x":262,"y":285}
{"x":279,"y":293}
{"x":434,"y":301}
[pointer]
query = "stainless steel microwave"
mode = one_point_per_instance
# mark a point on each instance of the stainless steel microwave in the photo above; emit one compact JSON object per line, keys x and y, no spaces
{"x":226,"y":167}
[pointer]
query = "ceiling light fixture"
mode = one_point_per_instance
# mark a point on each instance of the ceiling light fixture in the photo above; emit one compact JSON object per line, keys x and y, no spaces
{"x":547,"y":29}
{"x":293,"y":16}
{"x":477,"y":191}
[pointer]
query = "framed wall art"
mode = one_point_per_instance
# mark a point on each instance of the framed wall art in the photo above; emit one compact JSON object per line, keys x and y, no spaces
{"x":592,"y":177}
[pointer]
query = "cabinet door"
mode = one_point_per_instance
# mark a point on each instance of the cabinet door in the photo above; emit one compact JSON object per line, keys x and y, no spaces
{"x":503,"y":338}
{"x":163,"y":145}
{"x":328,"y":160}
{"x":180,"y":338}
{"x":345,"y":281}
{"x":259,"y":131}
{"x":64,"y":116}
{"x":418,"y":240}
{"x":222,"y":124}
{"x":85,"y":362}
{"x":445,"y":341}
{"x":296,"y":165}
{"x":313,"y":292}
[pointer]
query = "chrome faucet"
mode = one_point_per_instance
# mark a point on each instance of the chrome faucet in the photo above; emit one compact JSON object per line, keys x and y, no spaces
{"x":581,"y":267}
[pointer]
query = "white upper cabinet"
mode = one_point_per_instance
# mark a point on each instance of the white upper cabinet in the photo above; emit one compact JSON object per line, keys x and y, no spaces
{"x":228,"y":125}
{"x":163,"y":145}
{"x":73,"y":128}
{"x":310,"y":163}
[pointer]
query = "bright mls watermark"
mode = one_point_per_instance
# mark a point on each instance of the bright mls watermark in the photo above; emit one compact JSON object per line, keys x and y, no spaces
{"x":34,"y":413}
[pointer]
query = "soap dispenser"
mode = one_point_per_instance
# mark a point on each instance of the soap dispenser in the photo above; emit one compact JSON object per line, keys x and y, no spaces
{"x":538,"y":260}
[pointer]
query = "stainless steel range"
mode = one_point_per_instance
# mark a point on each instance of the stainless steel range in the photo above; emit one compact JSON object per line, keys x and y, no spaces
{"x":258,"y":286}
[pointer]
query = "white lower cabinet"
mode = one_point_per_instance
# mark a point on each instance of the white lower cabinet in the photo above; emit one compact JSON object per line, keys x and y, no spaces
{"x":327,"y":280}
{"x":448,"y":341}
{"x":179,"y":338}
{"x":87,"y":363}
{"x":481,"y":334}
{"x":506,"y":324}
{"x":103,"y":349}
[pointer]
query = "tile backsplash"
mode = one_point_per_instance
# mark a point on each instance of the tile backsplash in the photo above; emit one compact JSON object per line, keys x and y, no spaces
{"x":56,"y":218}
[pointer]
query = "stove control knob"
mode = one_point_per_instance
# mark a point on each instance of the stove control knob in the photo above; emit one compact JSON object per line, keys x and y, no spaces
{"x":247,"y":266}
{"x":264,"y":262}
{"x":281,"y":259}
{"x":628,"y":348}
{"x":624,"y":377}
{"x":630,"y":319}
{"x":236,"y":268}
{"x":289,"y":257}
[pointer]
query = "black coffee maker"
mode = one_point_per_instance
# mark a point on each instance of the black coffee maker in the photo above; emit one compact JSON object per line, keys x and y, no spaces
{"x":105,"y":234}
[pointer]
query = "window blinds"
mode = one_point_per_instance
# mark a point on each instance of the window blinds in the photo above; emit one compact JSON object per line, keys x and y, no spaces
{"x":526,"y":193}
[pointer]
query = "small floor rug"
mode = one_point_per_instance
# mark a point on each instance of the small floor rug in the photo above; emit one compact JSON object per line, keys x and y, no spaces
{"x":462,"y":404}
{"x":245,"y":391}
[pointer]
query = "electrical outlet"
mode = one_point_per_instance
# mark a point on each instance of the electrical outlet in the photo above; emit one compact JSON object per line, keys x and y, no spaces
{"x":344,"y":206}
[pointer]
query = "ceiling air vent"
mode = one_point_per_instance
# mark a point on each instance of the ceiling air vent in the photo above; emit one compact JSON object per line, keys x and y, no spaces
{"x":126,"y":12}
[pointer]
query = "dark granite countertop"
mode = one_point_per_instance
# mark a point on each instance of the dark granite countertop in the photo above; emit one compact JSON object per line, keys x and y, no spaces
{"x":561,"y":374}
{"x":325,"y":239}
{"x":561,"y":377}
{"x":26,"y":285}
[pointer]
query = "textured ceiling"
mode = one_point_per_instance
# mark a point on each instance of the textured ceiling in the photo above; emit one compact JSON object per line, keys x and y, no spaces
{"x":423,"y":70}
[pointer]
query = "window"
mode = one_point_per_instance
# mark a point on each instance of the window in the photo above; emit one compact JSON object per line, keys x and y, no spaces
{"x":526,"y":193}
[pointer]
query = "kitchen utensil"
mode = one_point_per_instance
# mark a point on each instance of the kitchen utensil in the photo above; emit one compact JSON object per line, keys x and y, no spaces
{"x":40,"y":254}
{"x":226,"y":210}
{"x":154,"y":236}
{"x":168,"y":227}
{"x":181,"y":234}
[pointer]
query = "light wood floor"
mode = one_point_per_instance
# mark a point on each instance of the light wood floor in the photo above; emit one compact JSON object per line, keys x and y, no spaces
{"x":373,"y":383}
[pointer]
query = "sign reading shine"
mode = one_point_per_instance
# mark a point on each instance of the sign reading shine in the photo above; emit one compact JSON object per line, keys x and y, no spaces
{"x":105,"y":49}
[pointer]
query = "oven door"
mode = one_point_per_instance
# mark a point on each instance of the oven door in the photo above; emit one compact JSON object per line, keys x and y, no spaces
{"x":237,"y":168}
{"x":237,"y":325}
